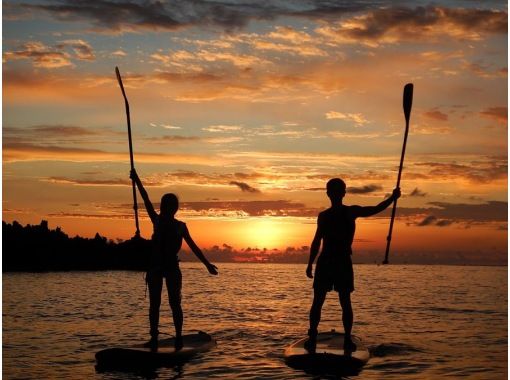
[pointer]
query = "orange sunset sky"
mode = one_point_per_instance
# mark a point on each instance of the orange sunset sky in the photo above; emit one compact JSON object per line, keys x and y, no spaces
{"x":246,"y":109}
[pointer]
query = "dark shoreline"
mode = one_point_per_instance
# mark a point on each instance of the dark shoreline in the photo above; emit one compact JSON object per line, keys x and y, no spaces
{"x":36,"y":248}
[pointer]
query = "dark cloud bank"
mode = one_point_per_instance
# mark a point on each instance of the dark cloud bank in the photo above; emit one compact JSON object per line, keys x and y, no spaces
{"x":117,"y":16}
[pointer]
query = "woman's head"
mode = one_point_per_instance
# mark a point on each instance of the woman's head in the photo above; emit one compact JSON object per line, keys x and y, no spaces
{"x":169,"y":204}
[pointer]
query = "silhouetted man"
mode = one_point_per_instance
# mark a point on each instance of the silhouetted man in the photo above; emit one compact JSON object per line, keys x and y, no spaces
{"x":164,"y":263}
{"x":335,"y":228}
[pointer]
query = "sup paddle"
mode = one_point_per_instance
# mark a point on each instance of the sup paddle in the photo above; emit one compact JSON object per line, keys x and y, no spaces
{"x":135,"y":204}
{"x":408,"y":102}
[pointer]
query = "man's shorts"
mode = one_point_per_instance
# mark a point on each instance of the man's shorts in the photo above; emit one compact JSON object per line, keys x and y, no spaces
{"x":334,"y":273}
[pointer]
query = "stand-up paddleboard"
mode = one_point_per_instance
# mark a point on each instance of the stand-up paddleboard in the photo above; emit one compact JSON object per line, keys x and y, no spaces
{"x":139,"y":356}
{"x":329,"y":354}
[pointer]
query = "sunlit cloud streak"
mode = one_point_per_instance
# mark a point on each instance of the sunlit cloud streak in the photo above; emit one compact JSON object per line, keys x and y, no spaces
{"x":52,"y":57}
{"x":481,"y":171}
{"x":148,"y":182}
{"x":222,"y":128}
{"x":357,"y":118}
{"x":85,"y":182}
{"x":16,"y":152}
{"x":50,"y":131}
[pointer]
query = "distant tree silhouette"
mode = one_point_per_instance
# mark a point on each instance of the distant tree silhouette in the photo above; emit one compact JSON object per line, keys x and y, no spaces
{"x":37,"y":248}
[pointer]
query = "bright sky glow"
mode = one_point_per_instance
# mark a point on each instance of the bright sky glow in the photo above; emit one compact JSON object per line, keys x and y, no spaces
{"x":246,"y":109}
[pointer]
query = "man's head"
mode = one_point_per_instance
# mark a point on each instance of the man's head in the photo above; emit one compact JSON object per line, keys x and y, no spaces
{"x":335,"y":188}
{"x":169,"y":204}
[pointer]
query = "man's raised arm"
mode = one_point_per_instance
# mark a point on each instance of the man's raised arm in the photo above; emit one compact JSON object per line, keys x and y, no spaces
{"x":372,"y":210}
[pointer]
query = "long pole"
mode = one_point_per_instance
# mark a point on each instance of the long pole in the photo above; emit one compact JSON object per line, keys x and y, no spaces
{"x":135,"y":204}
{"x":407,"y":103}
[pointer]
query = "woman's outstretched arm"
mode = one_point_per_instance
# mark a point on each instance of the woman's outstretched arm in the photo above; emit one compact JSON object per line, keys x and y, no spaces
{"x":198,"y":253}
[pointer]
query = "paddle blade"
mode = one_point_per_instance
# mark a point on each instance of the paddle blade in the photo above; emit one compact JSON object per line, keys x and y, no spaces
{"x":408,"y":100}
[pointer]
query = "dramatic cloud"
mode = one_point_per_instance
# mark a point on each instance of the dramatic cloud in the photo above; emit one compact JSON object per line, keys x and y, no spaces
{"x":51,"y":57}
{"x":484,"y":212}
{"x":394,"y":24}
{"x":440,"y":212}
{"x":40,"y":54}
{"x":244,"y":187}
{"x":364,"y":189}
{"x":81,"y":49}
{"x":484,"y":170}
{"x":130,"y":16}
{"x":500,"y":114}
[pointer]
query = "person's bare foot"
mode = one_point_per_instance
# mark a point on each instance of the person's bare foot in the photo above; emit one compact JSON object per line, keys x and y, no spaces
{"x":178,"y":344}
{"x":310,"y":345}
{"x":349,"y":345}
{"x":152,"y":344}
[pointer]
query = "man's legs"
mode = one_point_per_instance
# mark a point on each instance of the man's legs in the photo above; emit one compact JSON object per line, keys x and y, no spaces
{"x":347,"y":317}
{"x":319,"y":296}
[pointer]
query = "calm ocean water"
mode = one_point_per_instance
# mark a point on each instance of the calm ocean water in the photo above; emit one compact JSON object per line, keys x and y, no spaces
{"x":419,"y":322}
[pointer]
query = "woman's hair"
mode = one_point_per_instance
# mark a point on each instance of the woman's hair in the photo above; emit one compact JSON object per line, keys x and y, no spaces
{"x":169,"y":204}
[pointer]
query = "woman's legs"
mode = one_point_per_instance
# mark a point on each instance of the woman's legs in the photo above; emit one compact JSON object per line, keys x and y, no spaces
{"x":155,"y":284}
{"x":173,"y":286}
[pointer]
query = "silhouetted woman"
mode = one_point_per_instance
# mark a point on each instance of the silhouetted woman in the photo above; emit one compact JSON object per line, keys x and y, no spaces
{"x":164,"y":263}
